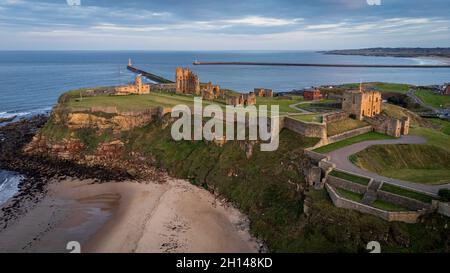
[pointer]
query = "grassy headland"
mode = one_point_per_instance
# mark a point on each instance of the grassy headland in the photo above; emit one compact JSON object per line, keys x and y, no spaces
{"x":268,"y":186}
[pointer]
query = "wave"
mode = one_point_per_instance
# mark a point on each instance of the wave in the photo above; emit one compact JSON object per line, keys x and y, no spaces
{"x":28,"y":113}
{"x":9,"y":185}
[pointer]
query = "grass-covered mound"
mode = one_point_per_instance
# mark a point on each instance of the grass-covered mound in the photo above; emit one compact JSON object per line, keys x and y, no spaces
{"x":412,"y":162}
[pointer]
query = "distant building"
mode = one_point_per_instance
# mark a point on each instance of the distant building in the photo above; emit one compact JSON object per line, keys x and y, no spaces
{"x":312,"y":94}
{"x":362,"y":103}
{"x":211,"y":92}
{"x":263,"y":92}
{"x":242,"y":99}
{"x":186,"y":81}
{"x":137,"y":88}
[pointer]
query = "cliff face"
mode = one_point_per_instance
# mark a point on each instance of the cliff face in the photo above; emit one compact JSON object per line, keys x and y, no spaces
{"x":88,"y":137}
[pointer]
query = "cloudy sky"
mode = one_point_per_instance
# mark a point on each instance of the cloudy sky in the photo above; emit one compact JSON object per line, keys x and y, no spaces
{"x":222,"y":25}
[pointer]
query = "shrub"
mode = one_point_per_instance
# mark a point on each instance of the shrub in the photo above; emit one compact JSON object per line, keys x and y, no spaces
{"x":444,"y":194}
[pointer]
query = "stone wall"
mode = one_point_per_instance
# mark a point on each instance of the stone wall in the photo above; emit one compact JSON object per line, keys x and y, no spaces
{"x":347,"y":185}
{"x":389,"y":125}
{"x":406,"y":202}
{"x":443,"y":208}
{"x":351,"y":133}
{"x":337,"y":116}
{"x":316,"y":157}
{"x":402,"y":216}
{"x":308,"y":129}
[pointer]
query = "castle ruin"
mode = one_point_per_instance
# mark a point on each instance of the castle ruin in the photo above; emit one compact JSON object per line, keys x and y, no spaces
{"x":242,"y":99}
{"x":263,"y":92}
{"x":138,"y":88}
{"x":361,"y":103}
{"x":212,"y":92}
{"x":187,"y":82}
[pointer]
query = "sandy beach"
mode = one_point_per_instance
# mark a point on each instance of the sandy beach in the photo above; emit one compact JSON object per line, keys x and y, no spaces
{"x":174,"y":216}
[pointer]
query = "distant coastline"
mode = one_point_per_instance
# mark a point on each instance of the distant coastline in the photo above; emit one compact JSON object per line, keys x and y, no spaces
{"x":394,"y":52}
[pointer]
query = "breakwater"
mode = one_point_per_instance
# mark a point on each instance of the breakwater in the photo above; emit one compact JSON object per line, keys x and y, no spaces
{"x":148,"y":75}
{"x":322,"y":65}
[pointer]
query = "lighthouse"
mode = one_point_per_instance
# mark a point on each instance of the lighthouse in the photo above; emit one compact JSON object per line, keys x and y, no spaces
{"x":129,"y":62}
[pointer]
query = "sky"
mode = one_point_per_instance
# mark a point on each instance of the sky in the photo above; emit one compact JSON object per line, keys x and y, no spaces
{"x":222,"y":25}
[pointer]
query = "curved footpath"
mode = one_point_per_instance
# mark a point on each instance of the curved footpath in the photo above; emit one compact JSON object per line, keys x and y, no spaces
{"x":340,"y":157}
{"x":303,"y":111}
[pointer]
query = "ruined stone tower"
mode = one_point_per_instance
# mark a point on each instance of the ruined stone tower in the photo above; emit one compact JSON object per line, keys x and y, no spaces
{"x":186,"y":81}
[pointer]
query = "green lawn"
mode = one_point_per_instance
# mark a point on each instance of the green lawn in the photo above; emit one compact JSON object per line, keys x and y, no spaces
{"x":382,"y":86}
{"x":341,"y":126}
{"x":380,"y":204}
{"x":407,"y":193}
{"x":350,"y":177}
{"x":442,"y":125}
{"x":317,"y":105}
{"x":308,"y":117}
{"x":420,"y":163}
{"x":433,"y":137}
{"x":132,"y":102}
{"x":283,"y":103}
{"x":354,"y":196}
{"x":433,"y":99}
{"x":349,"y":141}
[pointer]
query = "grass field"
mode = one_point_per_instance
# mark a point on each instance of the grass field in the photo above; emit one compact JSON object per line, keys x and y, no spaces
{"x":433,"y":99}
{"x":339,"y":127}
{"x":383,"y":86}
{"x":350,"y":177}
{"x":349,"y":141}
{"x":164,"y":99}
{"x":407,"y":193}
{"x":283,"y":103}
{"x":354,"y":196}
{"x":419,"y":163}
{"x":132,"y":102}
{"x":357,"y":197}
{"x":442,"y":125}
{"x":433,"y":137}
{"x":308,"y":117}
{"x":318,"y":106}
{"x":380,"y":204}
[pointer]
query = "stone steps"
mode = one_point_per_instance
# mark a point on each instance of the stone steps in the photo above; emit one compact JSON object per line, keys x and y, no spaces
{"x":371,"y":194}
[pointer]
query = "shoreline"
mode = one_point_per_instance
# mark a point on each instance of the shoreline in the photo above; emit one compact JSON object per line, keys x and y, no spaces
{"x":170,"y":217}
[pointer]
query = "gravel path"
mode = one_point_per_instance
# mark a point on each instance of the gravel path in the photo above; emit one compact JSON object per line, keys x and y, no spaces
{"x":340,"y":157}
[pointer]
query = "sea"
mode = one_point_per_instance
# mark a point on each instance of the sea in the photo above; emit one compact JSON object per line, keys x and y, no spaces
{"x":32,"y":81}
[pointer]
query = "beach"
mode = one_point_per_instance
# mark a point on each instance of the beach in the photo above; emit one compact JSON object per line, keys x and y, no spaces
{"x":173,"y":216}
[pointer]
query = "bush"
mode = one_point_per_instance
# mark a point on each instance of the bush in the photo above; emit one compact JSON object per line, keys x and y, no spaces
{"x":444,"y":194}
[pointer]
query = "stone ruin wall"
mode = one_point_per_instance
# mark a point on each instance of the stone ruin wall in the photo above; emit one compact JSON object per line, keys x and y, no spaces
{"x":333,"y":117}
{"x":308,"y":129}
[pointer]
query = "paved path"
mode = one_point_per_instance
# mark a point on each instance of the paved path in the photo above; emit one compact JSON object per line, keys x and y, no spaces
{"x":340,"y":157}
{"x":303,"y":111}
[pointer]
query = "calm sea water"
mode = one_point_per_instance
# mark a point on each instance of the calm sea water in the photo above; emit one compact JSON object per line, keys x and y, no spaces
{"x":31,"y":81}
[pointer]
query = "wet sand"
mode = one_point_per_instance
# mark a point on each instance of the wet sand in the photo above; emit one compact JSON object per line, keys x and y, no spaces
{"x":174,"y":216}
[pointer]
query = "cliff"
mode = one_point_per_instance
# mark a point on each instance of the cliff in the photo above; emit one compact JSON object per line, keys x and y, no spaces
{"x":268,"y":186}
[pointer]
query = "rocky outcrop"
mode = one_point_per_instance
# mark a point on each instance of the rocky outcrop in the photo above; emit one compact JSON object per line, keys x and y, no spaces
{"x":117,"y":122}
{"x":66,"y":149}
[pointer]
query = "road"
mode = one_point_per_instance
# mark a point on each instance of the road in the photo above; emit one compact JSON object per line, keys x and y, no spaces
{"x":340,"y":157}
